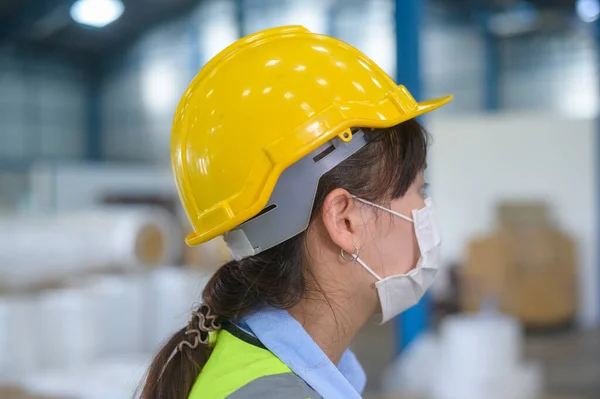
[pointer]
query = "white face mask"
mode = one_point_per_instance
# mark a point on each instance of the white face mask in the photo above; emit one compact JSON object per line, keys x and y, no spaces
{"x":399,"y":292}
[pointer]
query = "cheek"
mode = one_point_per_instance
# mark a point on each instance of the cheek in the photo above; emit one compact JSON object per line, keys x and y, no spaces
{"x":400,"y":250}
{"x":416,"y":251}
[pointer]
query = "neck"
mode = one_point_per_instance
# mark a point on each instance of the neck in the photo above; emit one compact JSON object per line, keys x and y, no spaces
{"x":331,"y":325}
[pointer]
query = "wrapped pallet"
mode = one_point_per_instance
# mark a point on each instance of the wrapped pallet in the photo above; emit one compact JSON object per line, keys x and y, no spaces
{"x":19,"y":338}
{"x":42,"y":250}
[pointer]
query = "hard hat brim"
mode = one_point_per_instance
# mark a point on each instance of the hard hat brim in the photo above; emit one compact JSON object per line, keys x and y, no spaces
{"x":430,"y":105}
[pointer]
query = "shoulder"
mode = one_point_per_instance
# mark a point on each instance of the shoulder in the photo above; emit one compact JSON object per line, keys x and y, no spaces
{"x":277,"y":386}
{"x":237,"y":369}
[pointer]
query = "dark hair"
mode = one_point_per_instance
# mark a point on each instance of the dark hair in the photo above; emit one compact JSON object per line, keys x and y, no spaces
{"x":382,"y":170}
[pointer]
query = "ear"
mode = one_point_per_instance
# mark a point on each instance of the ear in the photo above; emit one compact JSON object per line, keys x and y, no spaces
{"x":341,"y":218}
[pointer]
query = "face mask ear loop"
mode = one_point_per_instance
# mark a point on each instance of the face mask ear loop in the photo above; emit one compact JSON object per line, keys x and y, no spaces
{"x":363,"y":264}
{"x":359,"y":260}
{"x":383,"y":208}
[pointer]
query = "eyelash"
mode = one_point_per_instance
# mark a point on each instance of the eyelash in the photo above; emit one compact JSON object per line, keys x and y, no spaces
{"x":424,"y":189}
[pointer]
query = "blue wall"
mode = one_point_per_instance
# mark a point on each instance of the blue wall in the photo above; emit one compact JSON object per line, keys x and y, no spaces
{"x":42,"y":114}
{"x":41,"y":109}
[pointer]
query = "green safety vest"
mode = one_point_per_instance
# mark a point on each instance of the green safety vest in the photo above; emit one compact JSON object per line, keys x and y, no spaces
{"x":241,"y":367}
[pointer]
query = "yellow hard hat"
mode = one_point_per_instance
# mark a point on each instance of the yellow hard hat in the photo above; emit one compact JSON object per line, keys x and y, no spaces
{"x":261,"y":105}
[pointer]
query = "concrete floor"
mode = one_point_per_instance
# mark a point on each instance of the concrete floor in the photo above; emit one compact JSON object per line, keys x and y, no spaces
{"x":571,"y":362}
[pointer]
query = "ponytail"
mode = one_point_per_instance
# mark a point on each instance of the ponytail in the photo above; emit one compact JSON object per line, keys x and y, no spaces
{"x":173,"y":372}
{"x":273,"y":277}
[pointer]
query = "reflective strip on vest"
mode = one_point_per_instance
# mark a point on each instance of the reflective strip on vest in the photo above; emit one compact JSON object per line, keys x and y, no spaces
{"x":287,"y":385}
{"x":237,"y":369}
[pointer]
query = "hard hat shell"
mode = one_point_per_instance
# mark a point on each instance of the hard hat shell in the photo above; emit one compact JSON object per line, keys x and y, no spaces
{"x":264,"y":103}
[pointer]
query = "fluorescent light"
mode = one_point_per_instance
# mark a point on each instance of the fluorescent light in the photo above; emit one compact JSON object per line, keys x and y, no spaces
{"x":97,"y":13}
{"x":588,"y":10}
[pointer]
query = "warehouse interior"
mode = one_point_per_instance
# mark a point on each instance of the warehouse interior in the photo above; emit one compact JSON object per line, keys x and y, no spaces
{"x":94,"y":271}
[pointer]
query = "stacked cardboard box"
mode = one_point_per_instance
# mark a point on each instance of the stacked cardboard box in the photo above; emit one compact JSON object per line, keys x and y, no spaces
{"x":527,"y":268}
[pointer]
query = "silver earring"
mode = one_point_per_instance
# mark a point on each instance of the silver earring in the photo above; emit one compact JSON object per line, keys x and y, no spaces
{"x":354,"y":255}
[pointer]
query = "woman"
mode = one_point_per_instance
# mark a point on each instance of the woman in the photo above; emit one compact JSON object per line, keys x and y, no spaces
{"x":305,"y":155}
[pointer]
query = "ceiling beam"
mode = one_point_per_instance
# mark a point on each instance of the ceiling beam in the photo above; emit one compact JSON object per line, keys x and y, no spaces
{"x":171,"y":14}
{"x":21,"y":22}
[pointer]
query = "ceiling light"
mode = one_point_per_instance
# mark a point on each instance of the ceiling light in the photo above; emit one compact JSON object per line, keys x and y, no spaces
{"x":97,"y":13}
{"x":588,"y":10}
